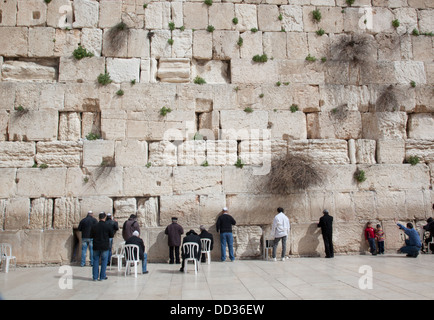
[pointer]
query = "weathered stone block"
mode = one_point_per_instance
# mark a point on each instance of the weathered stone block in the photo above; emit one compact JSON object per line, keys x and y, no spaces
{"x":198,"y":180}
{"x":7,"y":183}
{"x":339,"y":124}
{"x":225,"y":45}
{"x":247,"y":16}
{"x":221,"y":152}
{"x":59,"y":153}
{"x":109,"y":13}
{"x":221,"y":15}
{"x":268,"y":18}
{"x":28,"y":71}
{"x":384,"y":125}
{"x":41,"y":214}
{"x":163,"y":153}
{"x":17,"y":213}
{"x":202,"y":45}
{"x":192,"y":153}
{"x":84,"y":70}
{"x":14,"y":41}
{"x":195,"y":15}
{"x":8,"y":15}
{"x":67,"y":213}
{"x":17,"y":154}
{"x":31,"y":13}
{"x":69,"y":126}
{"x":86,"y":13}
{"x":174,"y":70}
{"x":140,"y":181}
{"x":241,"y":125}
{"x":365,"y":151}
{"x":37,"y":183}
{"x":327,"y":151}
{"x":33,"y":125}
{"x":246,"y":71}
{"x":131,"y":153}
{"x":98,"y":153}
{"x":424,"y":149}
{"x":123,"y":70}
{"x":420,"y":126}
{"x":247,"y":241}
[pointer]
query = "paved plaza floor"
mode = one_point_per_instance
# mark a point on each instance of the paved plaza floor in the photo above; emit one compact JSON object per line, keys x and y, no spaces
{"x":390,"y":277}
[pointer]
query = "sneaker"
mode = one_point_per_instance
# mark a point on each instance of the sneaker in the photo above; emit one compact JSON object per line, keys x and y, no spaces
{"x":274,"y":259}
{"x":283,"y":259}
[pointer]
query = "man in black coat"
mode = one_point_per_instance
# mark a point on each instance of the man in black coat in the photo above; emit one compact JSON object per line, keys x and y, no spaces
{"x":174,"y":232}
{"x":191,"y":236}
{"x":85,"y":226}
{"x":429,"y":227}
{"x":326,"y":225}
{"x":135,"y":239}
{"x":206,"y":235}
{"x":101,"y":234}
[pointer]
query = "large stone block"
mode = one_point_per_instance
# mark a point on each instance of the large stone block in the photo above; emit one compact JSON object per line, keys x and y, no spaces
{"x":192,"y":153}
{"x":247,"y":241}
{"x":86,"y":13}
{"x":142,"y":181}
{"x":28,"y":71}
{"x":83,"y":70}
{"x":17,"y":154}
{"x":123,"y":70}
{"x":246,"y":71}
{"x":390,"y":151}
{"x":246,"y":15}
{"x":241,"y":125}
{"x":384,"y":125}
{"x":131,"y":153}
{"x":327,"y":151}
{"x":423,"y":149}
{"x":221,"y":152}
{"x":31,"y":13}
{"x":33,"y":125}
{"x":174,"y":70}
{"x":59,"y":153}
{"x":14,"y":41}
{"x":337,"y":124}
{"x":195,"y":15}
{"x":8,"y":15}
{"x":98,"y":153}
{"x":35,"y":182}
{"x":41,"y":214}
{"x":199,"y":180}
{"x":420,"y":126}
{"x":67,"y":213}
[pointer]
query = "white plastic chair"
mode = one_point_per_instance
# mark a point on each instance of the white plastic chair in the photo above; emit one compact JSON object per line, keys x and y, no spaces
{"x":6,"y":255}
{"x":189,"y":248}
{"x":119,"y":255}
{"x":131,"y":252}
{"x":206,"y":248}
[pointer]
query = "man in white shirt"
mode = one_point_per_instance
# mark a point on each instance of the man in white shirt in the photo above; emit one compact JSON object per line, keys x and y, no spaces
{"x":280,"y":231}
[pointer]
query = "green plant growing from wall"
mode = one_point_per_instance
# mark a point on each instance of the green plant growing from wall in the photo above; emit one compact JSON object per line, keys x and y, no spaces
{"x":260,"y":58}
{"x":248,"y":110}
{"x":310,"y":58}
{"x":81,"y":53}
{"x":164,"y":111}
{"x":210,"y":28}
{"x":199,"y":80}
{"x":360,"y":175}
{"x":316,"y":15}
{"x":239,"y":163}
{"x":104,"y":78}
{"x":413,"y":160}
{"x":293,"y":108}
{"x":395,"y":23}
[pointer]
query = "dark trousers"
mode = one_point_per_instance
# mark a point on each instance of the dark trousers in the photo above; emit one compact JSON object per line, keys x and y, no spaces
{"x":174,"y":254}
{"x":328,"y":245}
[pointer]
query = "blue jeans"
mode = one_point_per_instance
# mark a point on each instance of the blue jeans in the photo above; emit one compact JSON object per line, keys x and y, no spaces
{"x":412,"y":251}
{"x":227,"y":237}
{"x":144,"y":262}
{"x":373,"y":249}
{"x":86,"y":242}
{"x":97,"y":254}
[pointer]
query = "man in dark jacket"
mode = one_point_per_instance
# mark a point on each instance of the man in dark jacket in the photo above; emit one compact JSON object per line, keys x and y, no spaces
{"x":85,"y":226}
{"x":224,"y":225}
{"x":115,"y":226}
{"x":174,"y":231}
{"x":190,"y":236}
{"x":206,"y":235}
{"x":129,"y":227}
{"x":101,"y":234}
{"x":135,"y":239}
{"x":326,"y":225}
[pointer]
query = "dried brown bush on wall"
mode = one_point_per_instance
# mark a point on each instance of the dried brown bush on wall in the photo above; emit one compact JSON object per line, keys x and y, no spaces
{"x":356,"y":48}
{"x":117,"y":36}
{"x":292,"y":173}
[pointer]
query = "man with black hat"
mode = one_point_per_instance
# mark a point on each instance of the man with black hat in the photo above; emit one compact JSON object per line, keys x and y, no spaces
{"x":174,"y":231}
{"x":326,"y":225}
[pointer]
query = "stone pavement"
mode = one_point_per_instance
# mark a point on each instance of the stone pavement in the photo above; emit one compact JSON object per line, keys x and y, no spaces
{"x":344,"y":277}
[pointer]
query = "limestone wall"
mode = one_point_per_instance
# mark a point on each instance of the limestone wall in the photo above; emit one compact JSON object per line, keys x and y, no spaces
{"x":353,"y":90}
